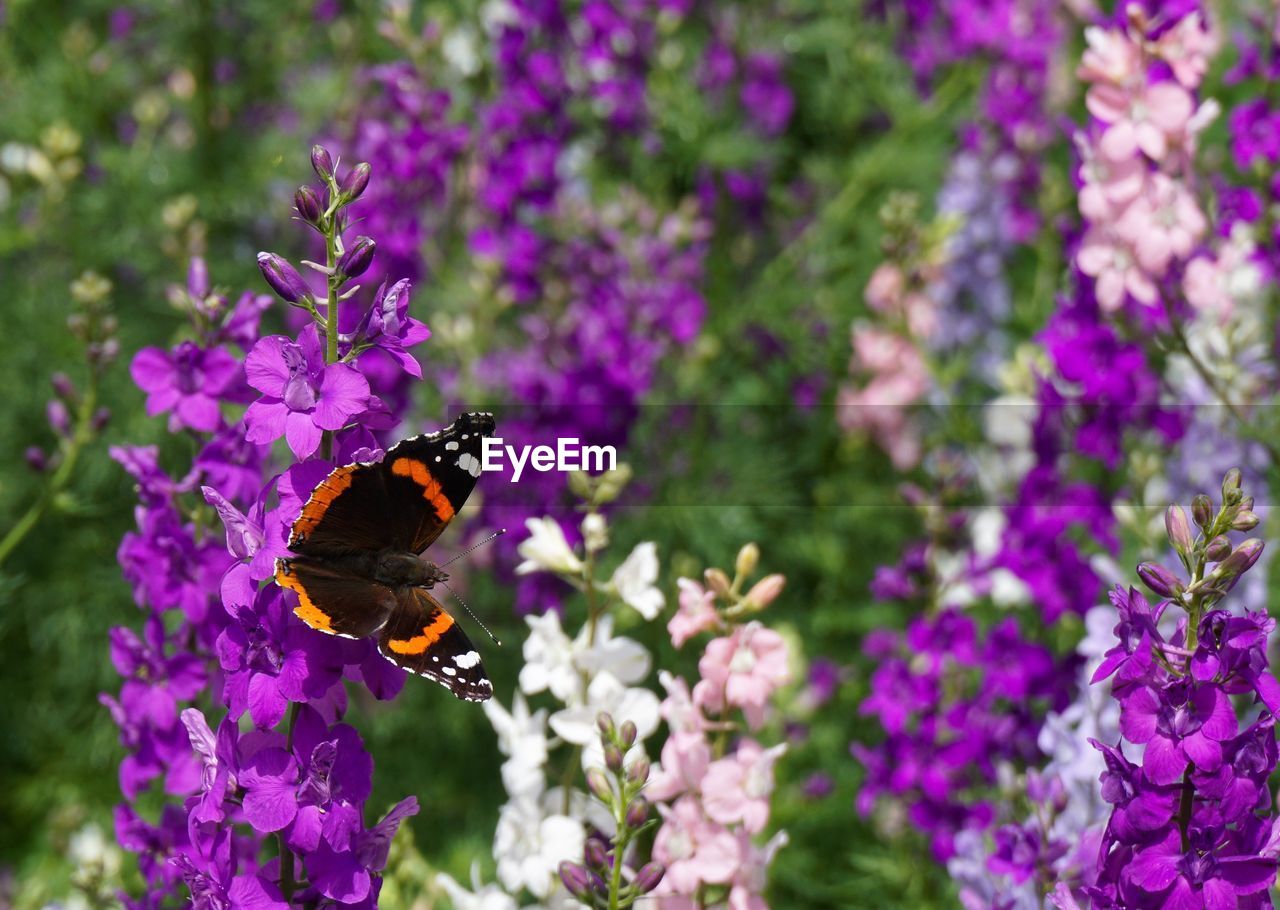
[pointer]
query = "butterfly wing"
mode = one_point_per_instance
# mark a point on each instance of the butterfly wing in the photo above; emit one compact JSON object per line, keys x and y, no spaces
{"x":423,"y":638}
{"x":333,"y":600}
{"x":428,"y":478}
{"x":346,"y":512}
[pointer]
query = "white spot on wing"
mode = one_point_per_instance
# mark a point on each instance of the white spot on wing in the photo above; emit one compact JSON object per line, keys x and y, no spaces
{"x":451,"y":446}
{"x":470,"y":464}
{"x":468,"y":660}
{"x":448,"y":671}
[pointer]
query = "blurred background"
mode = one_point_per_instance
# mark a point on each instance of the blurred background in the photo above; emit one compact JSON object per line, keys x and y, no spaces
{"x":745,"y":162}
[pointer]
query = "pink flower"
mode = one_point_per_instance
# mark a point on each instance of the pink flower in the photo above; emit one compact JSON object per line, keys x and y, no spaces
{"x":694,"y":849}
{"x":678,"y":709}
{"x":696,"y":613}
{"x":1164,"y":223}
{"x":742,"y":670}
{"x":1111,"y":57}
{"x":1112,"y":262}
{"x":899,"y":378}
{"x":736,"y":789}
{"x":885,"y":288}
{"x":749,"y":881}
{"x":1186,"y":48}
{"x":685,"y":759}
{"x":1142,"y":118}
{"x":1109,"y":186}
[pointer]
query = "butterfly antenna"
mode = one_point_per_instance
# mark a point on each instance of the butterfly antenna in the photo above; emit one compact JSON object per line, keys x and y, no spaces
{"x":468,"y":609}
{"x":474,"y":547}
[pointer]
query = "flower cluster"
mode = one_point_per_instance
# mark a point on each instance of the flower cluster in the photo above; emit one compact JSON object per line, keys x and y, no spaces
{"x":542,"y":827}
{"x":1143,"y":216}
{"x":888,"y":363}
{"x":715,"y":780}
{"x":278,"y":763}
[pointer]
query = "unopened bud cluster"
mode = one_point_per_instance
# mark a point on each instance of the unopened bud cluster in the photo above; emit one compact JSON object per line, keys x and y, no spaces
{"x":1212,"y":562}
{"x":740,"y":605}
{"x":599,"y":880}
{"x":323,"y":209}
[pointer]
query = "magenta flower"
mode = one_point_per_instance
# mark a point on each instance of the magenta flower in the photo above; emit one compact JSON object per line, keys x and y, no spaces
{"x":1199,"y":877}
{"x":187,"y":381}
{"x":388,"y":325}
{"x":300,"y":395}
{"x":1183,"y":722}
{"x":742,"y":670}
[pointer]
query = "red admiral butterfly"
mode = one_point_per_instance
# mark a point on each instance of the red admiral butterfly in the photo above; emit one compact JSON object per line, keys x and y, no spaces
{"x":357,"y":541}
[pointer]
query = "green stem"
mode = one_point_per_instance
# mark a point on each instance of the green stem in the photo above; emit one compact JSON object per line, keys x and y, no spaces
{"x":331,"y":240}
{"x":620,"y":848}
{"x":593,"y":614}
{"x":80,"y":437}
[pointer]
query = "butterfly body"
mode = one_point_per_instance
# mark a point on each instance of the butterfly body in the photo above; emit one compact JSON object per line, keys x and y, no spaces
{"x":356,"y":568}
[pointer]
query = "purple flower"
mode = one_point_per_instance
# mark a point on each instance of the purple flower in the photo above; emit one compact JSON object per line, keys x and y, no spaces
{"x":270,"y":658}
{"x":187,"y":381}
{"x":388,"y":325}
{"x":1182,"y":722}
{"x":155,"y":683}
{"x":765,"y":97}
{"x":1206,"y":876}
{"x":300,"y":394}
{"x":1255,"y":134}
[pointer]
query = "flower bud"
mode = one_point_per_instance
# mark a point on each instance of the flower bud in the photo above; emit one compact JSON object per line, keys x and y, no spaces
{"x":101,"y":418}
{"x":748,"y":558}
{"x":322,"y":162}
{"x":63,"y":387}
{"x":1202,"y":510}
{"x":1218,"y":549}
{"x":197,"y":278}
{"x":595,"y":532}
{"x":596,"y":852}
{"x":604,"y":723}
{"x":104,"y":352}
{"x":627,"y":734}
{"x":1160,"y":580}
{"x":1179,"y":531}
{"x":766,"y":590}
{"x":59,"y":417}
{"x":611,"y":484}
{"x":1245,"y":521}
{"x":1231,"y":487}
{"x":1241,"y":559}
{"x":717,"y":581}
{"x":355,"y":182}
{"x":637,"y":813}
{"x":356,"y":260}
{"x":36,"y":459}
{"x":575,"y":879}
{"x":598,"y":784}
{"x":283,"y":278}
{"x":638,"y":772}
{"x":648,"y":878}
{"x":306,"y":201}
{"x":612,"y":757}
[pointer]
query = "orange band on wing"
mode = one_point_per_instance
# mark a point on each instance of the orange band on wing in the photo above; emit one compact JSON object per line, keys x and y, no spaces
{"x":430,"y":635}
{"x":330,"y":488}
{"x":432,"y":491}
{"x":307,"y":611}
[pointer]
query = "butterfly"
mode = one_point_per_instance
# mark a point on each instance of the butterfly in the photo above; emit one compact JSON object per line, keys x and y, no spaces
{"x":356,"y":569}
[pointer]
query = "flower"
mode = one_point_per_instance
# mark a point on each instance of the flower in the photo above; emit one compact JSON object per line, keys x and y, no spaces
{"x":634,"y":581}
{"x":694,"y":849}
{"x":1112,"y":261}
{"x":736,"y":789}
{"x":530,"y":846}
{"x":1140,"y":118}
{"x":546,"y":549}
{"x":742,"y":670}
{"x":388,"y":325}
{"x":189,"y":381}
{"x":696,"y":612}
{"x":1163,"y":223}
{"x":300,"y":394}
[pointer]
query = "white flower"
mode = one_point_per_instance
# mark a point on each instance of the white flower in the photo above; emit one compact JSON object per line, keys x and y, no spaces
{"x":523,"y":738}
{"x":546,"y":549}
{"x":529,"y":846}
{"x":624,"y":658}
{"x":578,"y":725}
{"x":548,"y":661}
{"x":480,"y":897}
{"x":634,"y":581}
